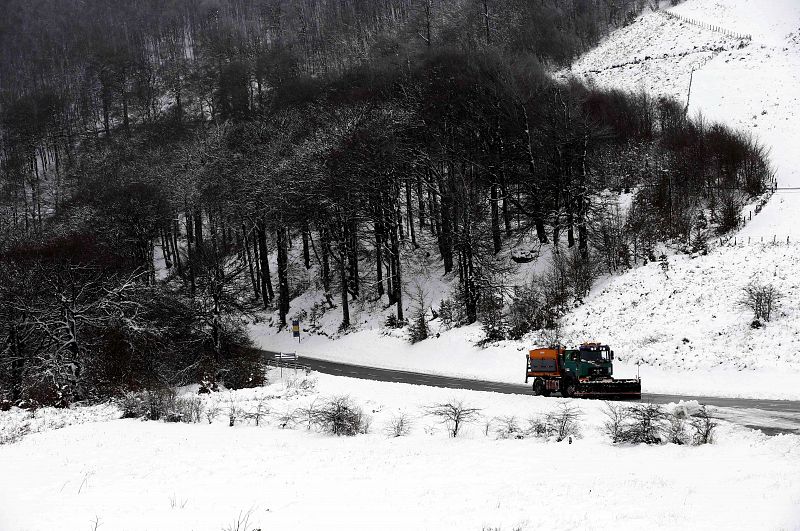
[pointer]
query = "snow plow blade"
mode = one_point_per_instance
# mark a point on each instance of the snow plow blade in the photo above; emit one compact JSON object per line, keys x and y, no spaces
{"x":619,"y":389}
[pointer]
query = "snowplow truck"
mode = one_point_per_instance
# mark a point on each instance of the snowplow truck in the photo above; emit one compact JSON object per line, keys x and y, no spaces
{"x":585,"y":372}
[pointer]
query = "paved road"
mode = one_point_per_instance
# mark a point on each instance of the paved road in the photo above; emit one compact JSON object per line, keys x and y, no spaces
{"x":770,"y":416}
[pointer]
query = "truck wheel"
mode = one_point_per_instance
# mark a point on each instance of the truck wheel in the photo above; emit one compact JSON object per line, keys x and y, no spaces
{"x":538,"y":387}
{"x":567,"y":387}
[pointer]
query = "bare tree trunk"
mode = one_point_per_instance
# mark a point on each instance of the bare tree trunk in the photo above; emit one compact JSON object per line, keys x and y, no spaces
{"x":267,"y":293}
{"x":496,"y":241}
{"x":306,"y":253}
{"x":410,"y":216}
{"x":378,"y":227}
{"x":198,"y":226}
{"x":249,"y":259}
{"x":421,"y":202}
{"x":283,"y":275}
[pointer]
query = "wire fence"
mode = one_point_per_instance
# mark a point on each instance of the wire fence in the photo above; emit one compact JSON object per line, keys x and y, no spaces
{"x":711,"y":27}
{"x":742,"y":241}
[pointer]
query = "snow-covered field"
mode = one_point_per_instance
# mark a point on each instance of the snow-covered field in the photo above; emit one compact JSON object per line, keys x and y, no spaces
{"x":139,"y":475}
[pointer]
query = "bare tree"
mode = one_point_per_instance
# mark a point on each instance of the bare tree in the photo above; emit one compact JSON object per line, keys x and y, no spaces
{"x":454,"y":415}
{"x":762,"y":299}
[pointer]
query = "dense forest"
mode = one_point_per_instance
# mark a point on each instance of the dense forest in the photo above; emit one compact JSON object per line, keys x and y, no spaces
{"x":234,"y":135}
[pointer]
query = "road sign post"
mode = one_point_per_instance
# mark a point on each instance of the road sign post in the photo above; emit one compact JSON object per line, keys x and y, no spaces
{"x":296,"y":329}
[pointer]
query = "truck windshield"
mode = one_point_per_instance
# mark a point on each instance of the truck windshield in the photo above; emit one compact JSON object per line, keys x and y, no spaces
{"x":594,"y":355}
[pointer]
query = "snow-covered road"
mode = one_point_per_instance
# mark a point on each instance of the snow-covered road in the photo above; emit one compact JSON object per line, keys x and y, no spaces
{"x":769,"y":416}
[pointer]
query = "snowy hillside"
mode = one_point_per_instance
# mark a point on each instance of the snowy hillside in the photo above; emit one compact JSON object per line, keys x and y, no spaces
{"x":131,"y":474}
{"x":689,"y":316}
{"x":749,"y":84}
{"x":685,"y":327}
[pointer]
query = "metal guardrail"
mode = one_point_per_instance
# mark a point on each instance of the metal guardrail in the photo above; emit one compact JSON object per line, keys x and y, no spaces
{"x":286,"y":360}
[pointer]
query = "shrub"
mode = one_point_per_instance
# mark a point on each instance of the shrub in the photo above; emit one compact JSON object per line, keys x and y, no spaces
{"x":493,"y":321}
{"x":646,"y":423}
{"x":614,"y":426}
{"x":232,"y":410}
{"x":762,"y":299}
{"x":189,"y":408}
{"x":676,"y":431}
{"x":260,"y":409}
{"x":212,"y":411}
{"x":287,"y":419}
{"x":132,"y":405}
{"x":729,"y":210}
{"x":454,"y":415}
{"x":155,"y":404}
{"x":507,"y":428}
{"x":650,"y":424}
{"x":524,"y":314}
{"x":302,"y":384}
{"x":558,"y":424}
{"x":244,"y":369}
{"x":306,"y":414}
{"x":399,"y":425}
{"x":339,"y":416}
{"x":703,"y":425}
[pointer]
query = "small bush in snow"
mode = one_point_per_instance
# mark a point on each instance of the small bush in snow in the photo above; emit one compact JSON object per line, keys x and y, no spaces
{"x":156,"y":404}
{"x":306,"y":414}
{"x":189,"y":408}
{"x":507,"y":428}
{"x":233,"y":410}
{"x":703,"y":425}
{"x":301,"y":384}
{"x":11,"y":433}
{"x":676,"y":430}
{"x":762,"y":299}
{"x":651,"y":424}
{"x":340,"y":416}
{"x":558,"y":424}
{"x":287,"y":419}
{"x":454,"y":415}
{"x":260,"y":409}
{"x":132,"y":405}
{"x":614,"y":426}
{"x":646,"y":423}
{"x":212,"y":411}
{"x":399,"y":425}
{"x":638,"y":423}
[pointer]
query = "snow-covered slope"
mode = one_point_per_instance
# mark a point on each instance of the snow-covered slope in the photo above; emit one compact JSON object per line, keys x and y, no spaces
{"x":750,"y":84}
